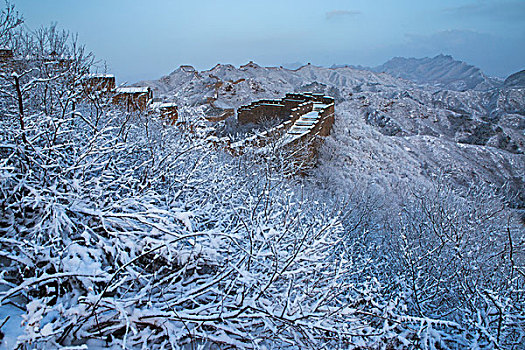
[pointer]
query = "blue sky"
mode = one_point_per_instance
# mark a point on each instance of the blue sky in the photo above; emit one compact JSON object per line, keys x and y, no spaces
{"x":142,"y":39}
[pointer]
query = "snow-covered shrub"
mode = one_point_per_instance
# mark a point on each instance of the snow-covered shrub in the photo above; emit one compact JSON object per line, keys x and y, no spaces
{"x":144,"y":237}
{"x":461,"y":258}
{"x":117,"y":231}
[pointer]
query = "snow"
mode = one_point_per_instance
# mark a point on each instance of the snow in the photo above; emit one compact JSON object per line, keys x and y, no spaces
{"x":100,"y":75}
{"x":155,"y":105}
{"x":301,"y":127}
{"x":271,"y":104}
{"x":13,"y":327}
{"x":185,"y":218}
{"x":126,"y":233}
{"x":168,"y":105}
{"x":159,"y":105}
{"x":132,"y":90}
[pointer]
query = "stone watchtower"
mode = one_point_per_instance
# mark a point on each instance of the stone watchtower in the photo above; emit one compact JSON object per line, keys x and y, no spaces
{"x":6,"y":58}
{"x":133,"y":98}
{"x":99,"y":82}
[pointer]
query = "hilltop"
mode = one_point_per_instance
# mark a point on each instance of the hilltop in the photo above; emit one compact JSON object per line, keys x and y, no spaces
{"x":516,"y":80}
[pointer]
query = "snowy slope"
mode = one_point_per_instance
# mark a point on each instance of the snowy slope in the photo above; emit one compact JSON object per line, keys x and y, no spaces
{"x":387,"y":129}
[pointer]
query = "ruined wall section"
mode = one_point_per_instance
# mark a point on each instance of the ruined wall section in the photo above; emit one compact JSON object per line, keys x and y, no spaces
{"x":261,"y":111}
{"x":324,"y":126}
{"x":260,"y":140}
{"x":291,"y":108}
{"x":304,"y":149}
{"x":99,"y":82}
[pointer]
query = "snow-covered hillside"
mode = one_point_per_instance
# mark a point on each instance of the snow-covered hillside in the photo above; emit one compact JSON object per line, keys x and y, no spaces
{"x":123,"y":227}
{"x":516,"y":80}
{"x":387,"y":129}
{"x":121,"y":230}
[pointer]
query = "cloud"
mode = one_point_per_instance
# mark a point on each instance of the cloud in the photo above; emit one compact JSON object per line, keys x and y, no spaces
{"x":513,"y":11}
{"x":451,"y":40}
{"x":341,"y":13}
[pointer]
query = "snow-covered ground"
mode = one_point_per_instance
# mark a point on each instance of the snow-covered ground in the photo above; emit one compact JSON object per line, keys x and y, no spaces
{"x":119,"y":231}
{"x":12,"y":328}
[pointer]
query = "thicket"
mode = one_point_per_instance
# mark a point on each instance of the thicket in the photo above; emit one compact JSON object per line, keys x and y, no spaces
{"x":119,"y":231}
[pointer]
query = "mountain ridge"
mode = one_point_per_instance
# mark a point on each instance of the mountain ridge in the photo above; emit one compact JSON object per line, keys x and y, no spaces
{"x":516,"y":80}
{"x":407,"y":131}
{"x":441,"y":71}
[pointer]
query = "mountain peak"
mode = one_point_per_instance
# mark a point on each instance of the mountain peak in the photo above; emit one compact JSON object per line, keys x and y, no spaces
{"x":442,"y":71}
{"x":250,"y":64}
{"x":516,"y":80}
{"x":187,"y":68}
{"x":441,"y":56}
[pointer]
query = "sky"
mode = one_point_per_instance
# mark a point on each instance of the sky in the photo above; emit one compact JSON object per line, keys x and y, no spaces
{"x":143,"y":40}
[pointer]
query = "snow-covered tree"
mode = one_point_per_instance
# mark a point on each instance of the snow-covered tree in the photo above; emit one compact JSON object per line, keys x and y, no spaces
{"x":119,"y":231}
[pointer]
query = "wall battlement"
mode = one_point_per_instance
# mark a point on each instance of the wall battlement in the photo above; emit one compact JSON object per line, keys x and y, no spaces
{"x":263,"y":110}
{"x":49,"y":64}
{"x":307,"y":117}
{"x":99,"y":82}
{"x":133,"y":98}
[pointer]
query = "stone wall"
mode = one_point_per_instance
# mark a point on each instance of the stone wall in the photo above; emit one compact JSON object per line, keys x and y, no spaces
{"x":170,"y":112}
{"x":301,"y":109}
{"x":324,"y":126}
{"x":129,"y":97}
{"x":292,"y":101}
{"x":261,"y":111}
{"x":289,"y":107}
{"x":304,"y":149}
{"x":5,"y":54}
{"x":133,"y":99}
{"x":99,"y":82}
{"x":48,"y":65}
{"x":319,"y":98}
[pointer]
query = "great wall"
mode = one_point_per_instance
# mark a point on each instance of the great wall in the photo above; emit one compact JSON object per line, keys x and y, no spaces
{"x":299,"y":119}
{"x":303,"y":117}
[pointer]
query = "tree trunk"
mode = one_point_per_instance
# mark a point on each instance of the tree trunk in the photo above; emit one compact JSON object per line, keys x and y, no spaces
{"x":20,"y":106}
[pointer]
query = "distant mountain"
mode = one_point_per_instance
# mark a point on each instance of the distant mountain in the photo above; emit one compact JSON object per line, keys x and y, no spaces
{"x":442,"y":71}
{"x":516,"y":80}
{"x":233,"y":86}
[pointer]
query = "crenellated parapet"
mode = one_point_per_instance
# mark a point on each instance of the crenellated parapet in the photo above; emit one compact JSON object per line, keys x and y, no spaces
{"x":261,"y":111}
{"x":131,"y":98}
{"x":99,"y":82}
{"x":289,"y":107}
{"x":47,"y":65}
